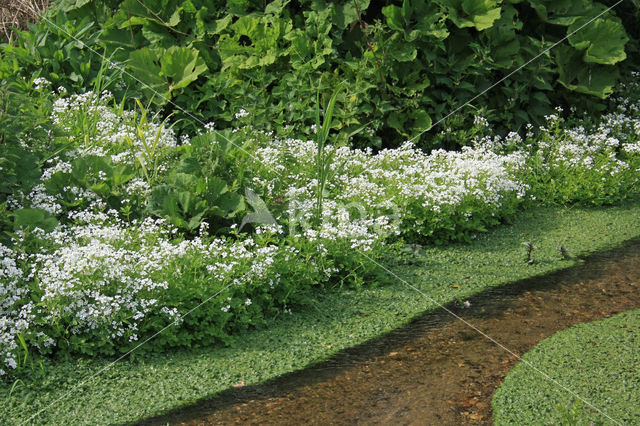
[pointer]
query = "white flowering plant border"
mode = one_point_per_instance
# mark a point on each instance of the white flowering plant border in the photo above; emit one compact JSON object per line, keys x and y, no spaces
{"x":110,"y":273}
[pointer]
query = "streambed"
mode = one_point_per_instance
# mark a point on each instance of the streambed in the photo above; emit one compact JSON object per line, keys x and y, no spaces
{"x":437,"y":370}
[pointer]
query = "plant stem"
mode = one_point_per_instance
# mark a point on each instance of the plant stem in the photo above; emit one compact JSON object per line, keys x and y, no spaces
{"x":364,"y":28}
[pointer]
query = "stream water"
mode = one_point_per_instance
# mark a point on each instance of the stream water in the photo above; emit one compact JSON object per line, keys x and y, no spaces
{"x":437,"y":370}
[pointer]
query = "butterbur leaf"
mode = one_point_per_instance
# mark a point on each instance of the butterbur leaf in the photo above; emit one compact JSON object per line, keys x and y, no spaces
{"x":166,"y":70}
{"x":602,"y":40}
{"x":121,"y":174}
{"x":276,"y":6}
{"x":397,"y":120}
{"x":182,"y":66}
{"x":217,"y":26}
{"x":394,"y":17}
{"x":182,"y":181}
{"x":480,"y":14}
{"x":403,"y":52}
{"x":592,"y":79}
{"x":231,"y":204}
{"x":157,"y":34}
{"x":216,"y":187}
{"x":505,"y":45}
{"x":416,"y":19}
{"x":346,"y":13}
{"x":421,"y":120}
{"x":175,"y":17}
{"x":561,"y":12}
{"x":144,"y":64}
{"x":29,"y":219}
{"x":261,"y":214}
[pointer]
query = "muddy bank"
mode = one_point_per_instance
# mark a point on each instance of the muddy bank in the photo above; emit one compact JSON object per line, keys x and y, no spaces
{"x":437,"y":370}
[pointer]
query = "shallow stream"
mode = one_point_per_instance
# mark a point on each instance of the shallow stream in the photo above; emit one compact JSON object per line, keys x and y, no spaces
{"x":437,"y":370}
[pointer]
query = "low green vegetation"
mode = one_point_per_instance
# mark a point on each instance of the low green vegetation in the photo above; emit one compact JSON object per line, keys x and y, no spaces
{"x":171,"y":184}
{"x":597,"y":361}
{"x":115,"y":230}
{"x":127,"y":391}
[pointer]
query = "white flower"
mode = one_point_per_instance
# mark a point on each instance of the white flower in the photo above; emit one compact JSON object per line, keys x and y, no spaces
{"x":41,"y":83}
{"x":242,"y":113}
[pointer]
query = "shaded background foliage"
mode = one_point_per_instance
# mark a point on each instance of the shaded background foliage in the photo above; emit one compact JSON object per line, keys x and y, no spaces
{"x":405,"y":64}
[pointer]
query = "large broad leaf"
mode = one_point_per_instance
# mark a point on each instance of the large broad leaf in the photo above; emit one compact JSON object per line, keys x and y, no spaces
{"x":276,"y":6}
{"x":18,"y":168}
{"x":181,"y":66}
{"x":561,"y":12}
{"x":602,"y":40}
{"x":162,"y":71}
{"x":253,"y":42}
{"x":69,"y":5}
{"x":182,"y":208}
{"x":29,"y":219}
{"x":144,"y":64}
{"x":480,"y":14}
{"x":211,"y":27}
{"x":416,"y":19}
{"x":575,"y":74}
{"x":408,"y":124}
{"x":394,"y":17}
{"x":347,"y":13}
{"x":503,"y":40}
{"x":402,"y":51}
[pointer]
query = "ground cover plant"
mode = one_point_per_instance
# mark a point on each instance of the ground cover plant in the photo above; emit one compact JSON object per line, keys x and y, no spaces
{"x":122,"y":234}
{"x":160,"y":382}
{"x":597,"y":358}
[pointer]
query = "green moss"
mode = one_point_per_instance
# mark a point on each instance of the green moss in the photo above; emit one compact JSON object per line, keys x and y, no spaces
{"x":340,"y":318}
{"x":597,"y":361}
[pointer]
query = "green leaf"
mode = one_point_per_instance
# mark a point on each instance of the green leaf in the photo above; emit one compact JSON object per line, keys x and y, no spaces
{"x":396,"y":120}
{"x":276,"y":6}
{"x":144,"y":64}
{"x":182,"y":66}
{"x":231,"y":204}
{"x":480,"y":14}
{"x":175,"y":17}
{"x":346,"y":13}
{"x":29,"y":219}
{"x":505,"y":49}
{"x":602,"y":40}
{"x":157,"y":34}
{"x":561,"y":12}
{"x":421,"y":120}
{"x":394,"y":17}
{"x":402,"y":51}
{"x":166,"y":70}
{"x":592,"y":79}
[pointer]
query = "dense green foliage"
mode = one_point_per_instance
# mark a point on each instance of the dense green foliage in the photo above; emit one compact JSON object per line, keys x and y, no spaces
{"x":114,"y":228}
{"x":598,"y":361}
{"x":341,"y":318}
{"x":406,"y":63}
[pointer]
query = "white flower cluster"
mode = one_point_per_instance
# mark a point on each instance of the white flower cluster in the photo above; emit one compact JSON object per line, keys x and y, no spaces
{"x":15,"y":308}
{"x":107,"y":132}
{"x":372,"y":191}
{"x":102,"y":276}
{"x":106,"y":276}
